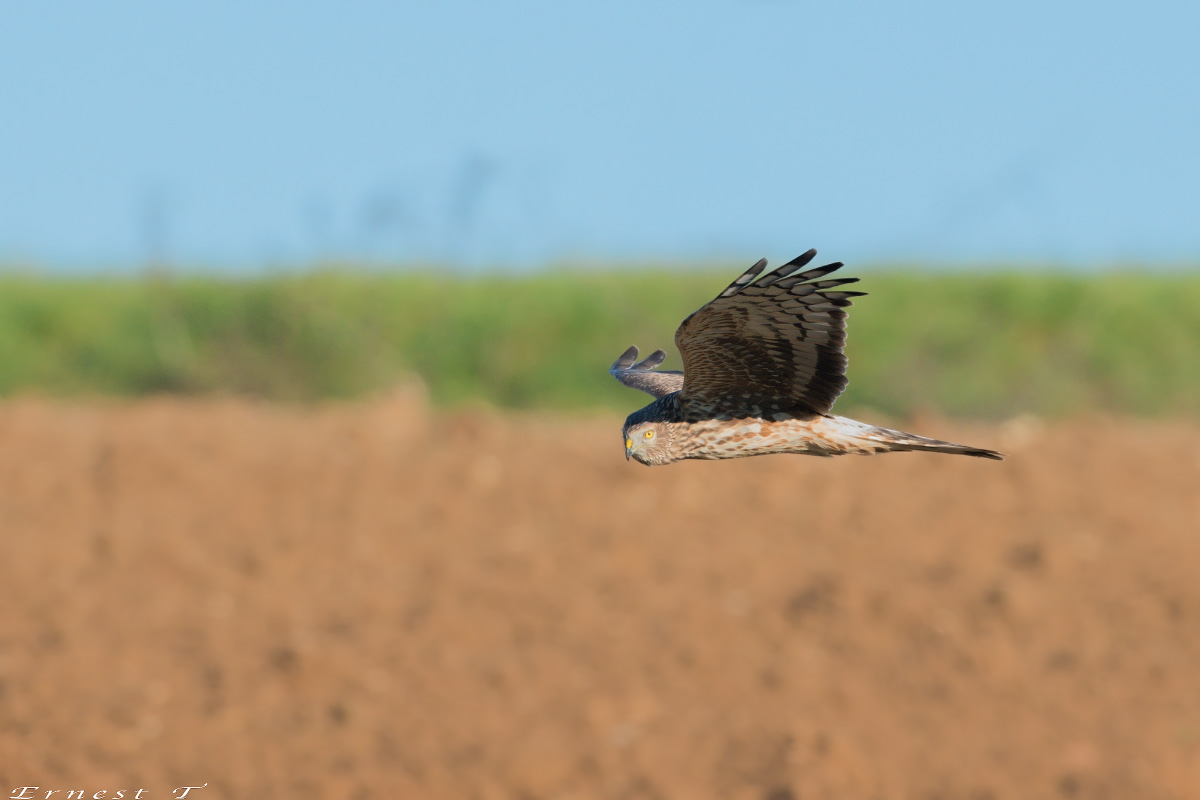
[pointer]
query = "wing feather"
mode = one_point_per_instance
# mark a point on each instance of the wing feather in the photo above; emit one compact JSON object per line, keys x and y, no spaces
{"x":767,"y":344}
{"x":788,"y":268}
{"x":642,"y":374}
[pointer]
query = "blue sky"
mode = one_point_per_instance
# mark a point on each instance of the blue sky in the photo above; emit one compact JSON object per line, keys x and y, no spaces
{"x":240,"y":135}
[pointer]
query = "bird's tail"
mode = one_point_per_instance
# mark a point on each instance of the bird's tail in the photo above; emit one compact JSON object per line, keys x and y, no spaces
{"x":882,"y":440}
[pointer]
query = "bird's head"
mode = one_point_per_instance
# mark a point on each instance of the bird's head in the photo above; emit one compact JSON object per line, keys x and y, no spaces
{"x":649,"y":442}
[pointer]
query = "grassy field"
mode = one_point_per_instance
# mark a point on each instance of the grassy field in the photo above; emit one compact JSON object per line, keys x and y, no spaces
{"x":981,"y":345}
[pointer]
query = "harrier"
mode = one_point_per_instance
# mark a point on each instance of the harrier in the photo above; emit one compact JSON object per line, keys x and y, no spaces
{"x":762,"y":365}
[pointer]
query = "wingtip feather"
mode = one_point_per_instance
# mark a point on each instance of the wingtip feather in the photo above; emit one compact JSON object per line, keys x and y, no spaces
{"x":803,"y":258}
{"x":745,"y":278}
{"x":626,"y":359}
{"x":651,"y":361}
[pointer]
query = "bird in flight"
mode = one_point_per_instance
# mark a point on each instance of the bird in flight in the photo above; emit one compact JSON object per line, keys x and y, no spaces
{"x":762,"y":366}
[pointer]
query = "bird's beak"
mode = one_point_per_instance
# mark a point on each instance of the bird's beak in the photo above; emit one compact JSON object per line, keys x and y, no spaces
{"x":628,"y":448}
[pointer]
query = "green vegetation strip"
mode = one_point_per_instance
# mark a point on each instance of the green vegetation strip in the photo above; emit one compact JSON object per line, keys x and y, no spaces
{"x":983,"y":345}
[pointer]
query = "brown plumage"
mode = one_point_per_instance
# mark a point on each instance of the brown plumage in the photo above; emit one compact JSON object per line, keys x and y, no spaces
{"x":762,"y":366}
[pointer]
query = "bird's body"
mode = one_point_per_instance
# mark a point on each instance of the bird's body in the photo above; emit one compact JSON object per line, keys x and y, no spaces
{"x":763,"y":364}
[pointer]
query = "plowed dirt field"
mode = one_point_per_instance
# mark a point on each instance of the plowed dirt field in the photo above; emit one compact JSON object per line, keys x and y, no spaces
{"x":382,"y":601}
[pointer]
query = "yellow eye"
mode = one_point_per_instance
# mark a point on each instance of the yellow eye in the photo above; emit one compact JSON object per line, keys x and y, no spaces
{"x":649,"y":434}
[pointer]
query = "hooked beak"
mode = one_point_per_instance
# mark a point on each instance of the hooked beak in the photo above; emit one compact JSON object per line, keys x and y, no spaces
{"x":628,"y":447}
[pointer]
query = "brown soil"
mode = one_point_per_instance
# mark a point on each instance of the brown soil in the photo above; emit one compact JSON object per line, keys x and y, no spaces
{"x":380,"y":601}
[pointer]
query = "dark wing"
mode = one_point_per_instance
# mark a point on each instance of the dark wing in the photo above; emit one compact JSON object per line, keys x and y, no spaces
{"x":642,"y":375}
{"x":767,"y":345}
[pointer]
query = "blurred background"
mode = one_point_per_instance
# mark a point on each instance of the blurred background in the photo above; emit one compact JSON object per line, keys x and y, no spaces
{"x":310,"y":483}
